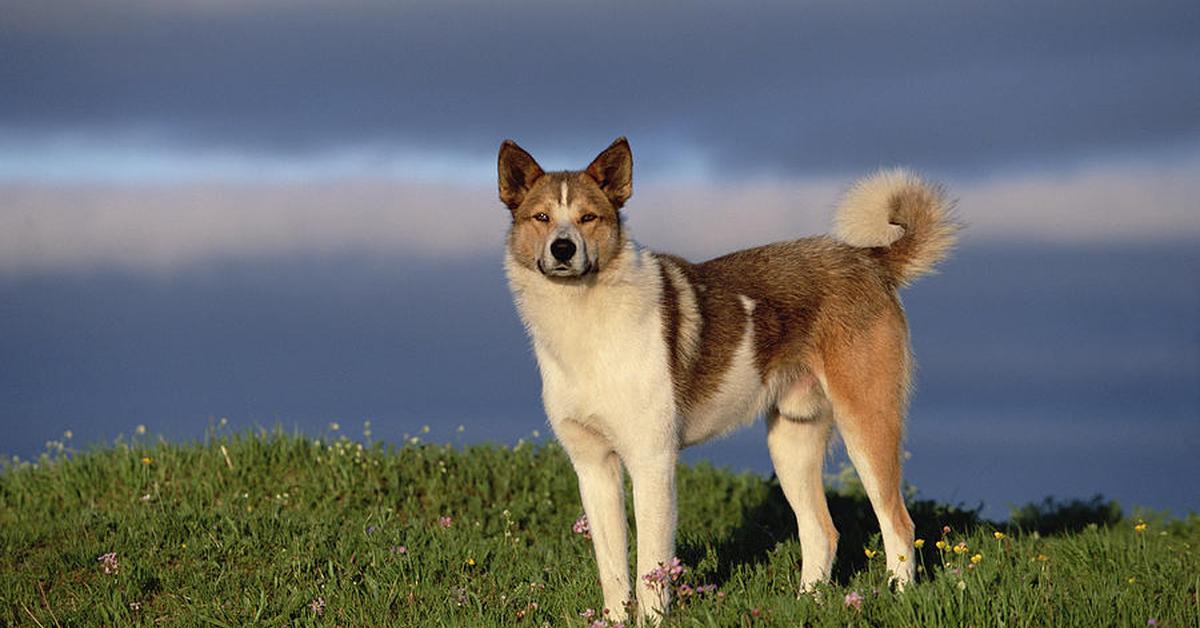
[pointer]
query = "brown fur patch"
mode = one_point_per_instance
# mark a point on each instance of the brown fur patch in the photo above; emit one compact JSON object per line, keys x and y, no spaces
{"x":808,"y":293}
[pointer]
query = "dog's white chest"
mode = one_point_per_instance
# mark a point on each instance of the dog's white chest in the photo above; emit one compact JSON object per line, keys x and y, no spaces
{"x":601,"y":351}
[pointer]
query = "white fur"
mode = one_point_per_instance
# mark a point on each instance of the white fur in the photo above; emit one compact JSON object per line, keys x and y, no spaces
{"x":689,"y":316}
{"x":606,"y":386}
{"x":863,"y":217}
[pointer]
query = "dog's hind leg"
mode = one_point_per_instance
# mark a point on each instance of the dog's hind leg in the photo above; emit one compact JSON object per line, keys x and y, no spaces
{"x":603,"y":494}
{"x":798,"y":451}
{"x":867,"y":383}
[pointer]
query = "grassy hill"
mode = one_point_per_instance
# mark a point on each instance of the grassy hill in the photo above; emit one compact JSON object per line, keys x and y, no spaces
{"x":279,"y":529}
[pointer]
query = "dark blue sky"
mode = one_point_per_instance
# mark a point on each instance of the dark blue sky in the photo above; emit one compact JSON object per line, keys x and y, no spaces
{"x":285,"y":210}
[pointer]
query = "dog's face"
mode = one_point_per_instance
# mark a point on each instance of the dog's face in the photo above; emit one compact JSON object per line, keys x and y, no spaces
{"x":565,"y":224}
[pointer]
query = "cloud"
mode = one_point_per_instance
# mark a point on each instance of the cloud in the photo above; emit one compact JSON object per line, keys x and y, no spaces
{"x":156,"y":228}
{"x":789,"y":89}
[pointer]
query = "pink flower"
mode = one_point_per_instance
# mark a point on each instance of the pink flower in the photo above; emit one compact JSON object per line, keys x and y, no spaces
{"x":400,"y":549}
{"x":108,"y":562}
{"x":446,"y":521}
{"x":581,"y":527}
{"x":853,"y":599}
{"x":588,"y":613}
{"x":675,"y":568}
{"x":317,"y":606}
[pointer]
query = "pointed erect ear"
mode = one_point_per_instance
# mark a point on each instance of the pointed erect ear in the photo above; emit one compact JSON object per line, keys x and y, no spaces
{"x":613,"y":170}
{"x":517,"y":171}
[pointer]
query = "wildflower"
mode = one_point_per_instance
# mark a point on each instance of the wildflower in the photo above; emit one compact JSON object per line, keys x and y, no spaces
{"x":588,"y":613}
{"x":945,"y":530}
{"x":108,"y":563}
{"x":1152,"y":622}
{"x":686,"y":590}
{"x":140,"y":430}
{"x":675,"y":568}
{"x":146,"y":460}
{"x":902,"y":558}
{"x":999,"y":535}
{"x":960,"y":548}
{"x":942,"y":545}
{"x":975,"y":560}
{"x":581,"y":526}
{"x":869,"y":552}
{"x":333,"y":426}
{"x":470,"y":562}
{"x":371,"y":529}
{"x":1132,"y":579}
{"x":68,"y":435}
{"x":919,"y":543}
{"x":135,"y":606}
{"x":962,"y":585}
{"x":317,"y":606}
{"x":665,"y":573}
{"x":446,"y":521}
{"x":1042,"y":558}
{"x":706,"y":588}
{"x":424,"y":429}
{"x":1140,"y":527}
{"x":399,"y":549}
{"x":146,"y":497}
{"x":853,"y":600}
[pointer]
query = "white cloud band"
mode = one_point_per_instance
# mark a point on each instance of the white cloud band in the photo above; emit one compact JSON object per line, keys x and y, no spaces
{"x":48,"y":227}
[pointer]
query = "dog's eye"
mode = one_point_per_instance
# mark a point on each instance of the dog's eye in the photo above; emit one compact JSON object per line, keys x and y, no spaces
{"x":587,"y":217}
{"x":541,"y":217}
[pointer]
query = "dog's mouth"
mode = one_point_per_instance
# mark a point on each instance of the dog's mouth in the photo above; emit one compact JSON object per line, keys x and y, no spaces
{"x":565,"y":270}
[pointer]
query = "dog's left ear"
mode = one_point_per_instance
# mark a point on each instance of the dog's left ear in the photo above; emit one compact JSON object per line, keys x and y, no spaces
{"x":517,"y":171}
{"x":613,"y":170}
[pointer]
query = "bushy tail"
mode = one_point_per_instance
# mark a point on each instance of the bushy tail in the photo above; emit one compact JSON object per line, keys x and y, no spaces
{"x":909,"y":222}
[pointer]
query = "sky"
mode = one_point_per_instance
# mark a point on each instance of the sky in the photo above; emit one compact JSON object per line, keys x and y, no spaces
{"x":264,"y":152}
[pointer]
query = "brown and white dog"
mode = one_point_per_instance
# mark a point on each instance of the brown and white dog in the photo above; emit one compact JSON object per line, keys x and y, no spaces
{"x":643,"y":354}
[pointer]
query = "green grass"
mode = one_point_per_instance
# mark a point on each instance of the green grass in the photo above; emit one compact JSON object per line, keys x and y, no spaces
{"x":251,"y":529}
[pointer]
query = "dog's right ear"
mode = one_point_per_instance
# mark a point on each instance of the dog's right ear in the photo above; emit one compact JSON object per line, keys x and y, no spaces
{"x":518,"y":171}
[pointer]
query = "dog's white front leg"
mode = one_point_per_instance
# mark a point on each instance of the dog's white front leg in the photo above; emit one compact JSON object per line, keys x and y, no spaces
{"x":603,"y":494}
{"x":654,"y":509}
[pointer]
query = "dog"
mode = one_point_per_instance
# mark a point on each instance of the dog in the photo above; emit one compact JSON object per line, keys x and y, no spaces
{"x":643,"y":353}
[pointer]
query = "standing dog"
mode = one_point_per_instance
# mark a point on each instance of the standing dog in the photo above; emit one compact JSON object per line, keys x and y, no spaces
{"x":642,"y":354}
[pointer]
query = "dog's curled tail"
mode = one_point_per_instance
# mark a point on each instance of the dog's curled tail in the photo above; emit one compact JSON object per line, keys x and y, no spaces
{"x":908,"y":222}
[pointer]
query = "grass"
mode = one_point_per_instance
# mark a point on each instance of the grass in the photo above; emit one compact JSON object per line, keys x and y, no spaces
{"x":277,"y":529}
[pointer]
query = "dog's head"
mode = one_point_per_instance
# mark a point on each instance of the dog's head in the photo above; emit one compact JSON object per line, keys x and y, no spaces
{"x":566,"y":224}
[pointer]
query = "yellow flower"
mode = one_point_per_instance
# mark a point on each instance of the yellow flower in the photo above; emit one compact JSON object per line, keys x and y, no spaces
{"x":919,"y":543}
{"x":1140,"y":527}
{"x":1042,"y":558}
{"x":870,"y":552}
{"x":1132,"y":580}
{"x":902,"y":558}
{"x":942,"y":545}
{"x":146,"y":460}
{"x":960,"y":548}
{"x":471,"y":562}
{"x":141,"y":429}
{"x":975,"y":560}
{"x":999,"y":535}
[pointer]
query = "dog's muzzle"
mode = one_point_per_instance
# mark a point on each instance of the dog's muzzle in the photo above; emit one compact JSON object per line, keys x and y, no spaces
{"x":564,"y":258}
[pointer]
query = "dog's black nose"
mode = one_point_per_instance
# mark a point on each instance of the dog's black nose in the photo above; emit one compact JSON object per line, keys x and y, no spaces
{"x":562,"y":249}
